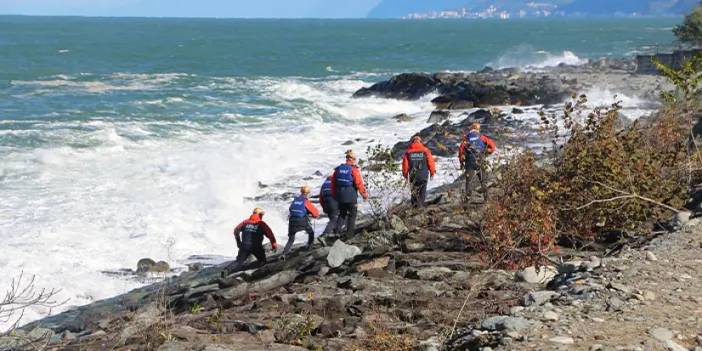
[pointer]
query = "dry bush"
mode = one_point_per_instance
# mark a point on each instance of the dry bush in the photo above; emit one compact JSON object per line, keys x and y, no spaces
{"x":611,"y":180}
{"x":382,"y":338}
{"x":519,"y":227}
{"x":600,"y":179}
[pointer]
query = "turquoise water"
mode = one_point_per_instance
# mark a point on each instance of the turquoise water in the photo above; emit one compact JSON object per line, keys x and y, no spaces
{"x":129,"y":138}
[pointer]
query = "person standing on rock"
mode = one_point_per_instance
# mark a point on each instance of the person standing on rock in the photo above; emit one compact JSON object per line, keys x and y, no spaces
{"x":418,"y":167}
{"x":347,"y":182}
{"x":472,"y":154}
{"x":330,"y":207}
{"x":301,"y":209}
{"x":249,"y":239}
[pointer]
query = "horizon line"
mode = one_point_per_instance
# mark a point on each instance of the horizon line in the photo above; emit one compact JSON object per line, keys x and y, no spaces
{"x":341,"y":18}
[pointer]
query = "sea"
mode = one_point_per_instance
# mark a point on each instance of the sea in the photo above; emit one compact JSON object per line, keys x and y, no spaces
{"x":126,"y":138}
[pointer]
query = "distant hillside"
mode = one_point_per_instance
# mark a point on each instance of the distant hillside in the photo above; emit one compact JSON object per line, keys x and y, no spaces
{"x":403,"y":8}
{"x":628,"y":7}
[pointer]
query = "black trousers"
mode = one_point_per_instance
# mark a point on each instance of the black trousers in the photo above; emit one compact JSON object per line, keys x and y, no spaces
{"x":296,"y":225}
{"x":244,"y":252}
{"x":471,"y":174}
{"x":418,"y":188}
{"x":331,"y":208}
{"x":348,"y":211}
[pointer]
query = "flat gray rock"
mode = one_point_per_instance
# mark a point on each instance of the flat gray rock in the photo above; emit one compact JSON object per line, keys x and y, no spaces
{"x":340,"y":252}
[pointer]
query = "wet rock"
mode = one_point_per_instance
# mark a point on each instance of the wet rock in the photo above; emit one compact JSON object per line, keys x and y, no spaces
{"x":340,"y":252}
{"x":538,"y":298}
{"x":438,"y":116}
{"x":517,"y":111}
{"x":507,"y":323}
{"x":541,"y":276}
{"x":406,"y":86}
{"x":480,"y":116}
{"x":403,"y":117}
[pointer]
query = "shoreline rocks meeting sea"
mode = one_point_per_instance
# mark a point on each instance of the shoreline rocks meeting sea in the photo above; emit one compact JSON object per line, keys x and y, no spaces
{"x":414,"y":279}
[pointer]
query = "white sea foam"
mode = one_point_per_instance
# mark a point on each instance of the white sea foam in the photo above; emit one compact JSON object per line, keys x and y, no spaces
{"x":527,"y":57}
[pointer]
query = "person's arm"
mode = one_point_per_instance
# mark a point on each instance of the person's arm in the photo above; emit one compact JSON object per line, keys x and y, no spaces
{"x":314,"y":212}
{"x":430,"y":161}
{"x":405,"y":166}
{"x":358,"y":182}
{"x":269,"y":234}
{"x":491,"y":146}
{"x":237,"y":233}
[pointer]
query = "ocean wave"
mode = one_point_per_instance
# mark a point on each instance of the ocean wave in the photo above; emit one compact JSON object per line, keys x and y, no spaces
{"x":528,"y":58}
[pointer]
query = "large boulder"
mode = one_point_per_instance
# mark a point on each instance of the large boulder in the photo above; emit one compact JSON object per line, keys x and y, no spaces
{"x":340,"y":252}
{"x":406,"y":86}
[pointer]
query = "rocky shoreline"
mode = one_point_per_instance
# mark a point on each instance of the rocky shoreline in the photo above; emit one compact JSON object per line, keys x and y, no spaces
{"x":417,"y":281}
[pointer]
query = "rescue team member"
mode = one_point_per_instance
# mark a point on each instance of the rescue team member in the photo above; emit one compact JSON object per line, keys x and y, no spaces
{"x":472,"y":154}
{"x":249,"y":239}
{"x":418,"y":167}
{"x":330,"y":207}
{"x":346,"y":184}
{"x":301,"y":209}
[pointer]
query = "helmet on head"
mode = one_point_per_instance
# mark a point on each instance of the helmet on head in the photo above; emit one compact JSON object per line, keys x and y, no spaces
{"x":259,"y":211}
{"x":305,"y":189}
{"x":416,"y":139}
{"x":475,"y":126}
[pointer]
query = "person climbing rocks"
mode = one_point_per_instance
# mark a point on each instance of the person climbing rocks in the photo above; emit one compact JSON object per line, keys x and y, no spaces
{"x":301,"y":209}
{"x":347,"y":183}
{"x":330,"y":207}
{"x":472,"y":155}
{"x":418,"y":167}
{"x":249,"y":239}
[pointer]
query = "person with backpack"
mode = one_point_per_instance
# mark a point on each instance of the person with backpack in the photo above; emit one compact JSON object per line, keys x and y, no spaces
{"x":472,"y":154}
{"x":301,"y":209}
{"x":418,"y":167}
{"x":249,"y":239}
{"x":347,"y":183}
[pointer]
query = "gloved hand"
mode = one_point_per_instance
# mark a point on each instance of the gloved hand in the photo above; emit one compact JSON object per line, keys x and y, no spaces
{"x":274,"y":246}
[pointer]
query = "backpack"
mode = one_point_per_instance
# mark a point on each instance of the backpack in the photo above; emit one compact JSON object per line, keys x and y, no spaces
{"x":297,"y":207}
{"x":475,"y":144}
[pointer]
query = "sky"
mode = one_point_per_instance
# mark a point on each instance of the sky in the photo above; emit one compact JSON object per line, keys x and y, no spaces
{"x":192,"y":8}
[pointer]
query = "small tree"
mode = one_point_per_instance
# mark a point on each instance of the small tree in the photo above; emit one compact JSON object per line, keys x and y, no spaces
{"x":690,"y":31}
{"x":384,"y":179}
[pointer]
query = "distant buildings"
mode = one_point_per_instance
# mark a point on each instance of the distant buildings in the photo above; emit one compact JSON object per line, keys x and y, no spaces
{"x":530,"y":9}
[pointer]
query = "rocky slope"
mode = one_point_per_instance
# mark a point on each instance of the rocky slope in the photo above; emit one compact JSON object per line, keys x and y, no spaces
{"x":413,"y":281}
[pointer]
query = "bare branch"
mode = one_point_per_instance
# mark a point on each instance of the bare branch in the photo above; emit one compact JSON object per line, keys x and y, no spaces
{"x":22,"y":294}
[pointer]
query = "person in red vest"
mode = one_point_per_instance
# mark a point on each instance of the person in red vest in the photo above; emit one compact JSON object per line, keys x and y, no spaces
{"x":418,"y":167}
{"x":301,"y":209}
{"x":347,"y":183}
{"x":249,"y":239}
{"x":472,"y":154}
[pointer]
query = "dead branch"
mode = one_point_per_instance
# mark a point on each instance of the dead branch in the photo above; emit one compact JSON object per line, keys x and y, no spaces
{"x":22,"y":294}
{"x":625,"y":195}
